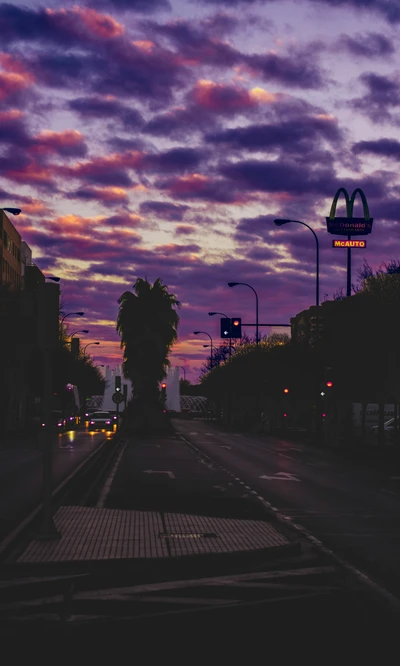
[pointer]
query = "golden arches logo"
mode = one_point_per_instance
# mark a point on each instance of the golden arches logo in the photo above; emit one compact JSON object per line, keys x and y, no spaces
{"x":349,"y":203}
{"x":349,"y":225}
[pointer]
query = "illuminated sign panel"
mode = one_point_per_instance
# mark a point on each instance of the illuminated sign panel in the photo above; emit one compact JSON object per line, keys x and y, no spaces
{"x":349,"y":243}
{"x":349,"y":225}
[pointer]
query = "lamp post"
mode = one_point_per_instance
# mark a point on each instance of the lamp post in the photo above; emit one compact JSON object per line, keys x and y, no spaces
{"x":80,"y":314}
{"x":235,"y":284}
{"x":184,"y":371}
{"x":211,"y":345}
{"x":280,"y":222}
{"x":211,"y":314}
{"x":88,"y":345}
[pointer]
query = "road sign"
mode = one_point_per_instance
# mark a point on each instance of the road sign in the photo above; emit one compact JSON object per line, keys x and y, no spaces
{"x":117,"y":398}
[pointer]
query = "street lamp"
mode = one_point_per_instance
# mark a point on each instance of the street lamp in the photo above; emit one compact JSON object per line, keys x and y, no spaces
{"x":51,"y":277}
{"x":90,"y":343}
{"x":235,"y":284}
{"x":211,"y":314}
{"x":184,"y":371}
{"x":211,"y":345}
{"x":70,"y":314}
{"x":279,"y":222}
{"x":83,"y":330}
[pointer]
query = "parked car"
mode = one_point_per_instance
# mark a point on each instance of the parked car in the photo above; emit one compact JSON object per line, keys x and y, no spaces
{"x":100,"y":421}
{"x":57,"y":420}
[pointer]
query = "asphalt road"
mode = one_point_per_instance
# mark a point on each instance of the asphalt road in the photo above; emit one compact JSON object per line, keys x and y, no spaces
{"x":343,"y":503}
{"x":21,"y":472}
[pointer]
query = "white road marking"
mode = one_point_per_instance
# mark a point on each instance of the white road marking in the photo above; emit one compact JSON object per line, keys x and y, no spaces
{"x":280,"y":476}
{"x":225,"y":447}
{"x":107,"y":486}
{"x":159,"y":471}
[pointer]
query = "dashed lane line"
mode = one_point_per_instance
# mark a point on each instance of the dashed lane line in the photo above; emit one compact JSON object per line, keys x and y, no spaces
{"x":376,"y":588}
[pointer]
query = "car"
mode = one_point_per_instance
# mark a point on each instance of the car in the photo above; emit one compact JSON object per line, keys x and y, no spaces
{"x":57,"y":421}
{"x":89,"y":411}
{"x":100,"y":421}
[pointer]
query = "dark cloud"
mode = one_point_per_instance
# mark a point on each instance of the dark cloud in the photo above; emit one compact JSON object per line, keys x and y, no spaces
{"x":173,"y":160}
{"x":383,"y":94}
{"x":184,"y":229}
{"x":381,"y":147}
{"x":279,"y":176}
{"x":298,"y":69}
{"x":250,"y":227}
{"x":194,"y":44}
{"x":140,"y":6}
{"x":292,"y":135}
{"x":368,"y":45}
{"x":106,"y":196}
{"x":196,"y":186}
{"x":164,"y":210}
{"x":179,"y":122}
{"x":389,"y":9}
{"x":61,"y":27}
{"x":109,"y":109}
{"x":13,"y":129}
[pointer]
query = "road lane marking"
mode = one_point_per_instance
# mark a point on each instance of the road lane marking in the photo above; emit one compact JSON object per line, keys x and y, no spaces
{"x":107,"y":486}
{"x":223,"y":446}
{"x":159,"y":471}
{"x":280,"y":476}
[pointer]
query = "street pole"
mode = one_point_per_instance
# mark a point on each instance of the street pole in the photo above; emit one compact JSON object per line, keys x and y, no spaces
{"x":348,"y":269}
{"x":47,"y":321}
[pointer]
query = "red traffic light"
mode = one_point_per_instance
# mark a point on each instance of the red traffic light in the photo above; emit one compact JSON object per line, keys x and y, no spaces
{"x":236,"y":322}
{"x":286,"y":390}
{"x":163,"y":385}
{"x":329,"y":384}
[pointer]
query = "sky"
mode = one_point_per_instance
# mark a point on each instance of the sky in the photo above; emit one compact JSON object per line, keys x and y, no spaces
{"x":160,"y":139}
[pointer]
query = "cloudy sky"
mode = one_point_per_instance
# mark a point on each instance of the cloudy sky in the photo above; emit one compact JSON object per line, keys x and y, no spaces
{"x":160,"y":138}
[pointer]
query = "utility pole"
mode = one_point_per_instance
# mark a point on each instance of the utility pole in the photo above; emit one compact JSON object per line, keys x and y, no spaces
{"x":48,"y":303}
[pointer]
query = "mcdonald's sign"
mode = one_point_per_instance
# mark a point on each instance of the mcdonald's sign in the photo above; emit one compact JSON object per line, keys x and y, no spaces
{"x":349,"y":225}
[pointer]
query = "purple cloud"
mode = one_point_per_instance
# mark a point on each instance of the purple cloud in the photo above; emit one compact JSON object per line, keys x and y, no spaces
{"x":383,"y":94}
{"x":369,"y":45}
{"x":109,"y":109}
{"x":298,"y":69}
{"x":381,"y":147}
{"x":164,"y":210}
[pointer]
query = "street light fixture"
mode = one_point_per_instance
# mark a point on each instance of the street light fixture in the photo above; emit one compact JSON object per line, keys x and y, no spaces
{"x":90,"y":343}
{"x":83,"y":330}
{"x":211,"y":345}
{"x":211,"y":314}
{"x":280,"y":222}
{"x":235,"y":284}
{"x":70,"y":314}
{"x":52,"y":277}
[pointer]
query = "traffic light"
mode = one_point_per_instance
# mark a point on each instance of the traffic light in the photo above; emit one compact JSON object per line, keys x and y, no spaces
{"x":117,"y":382}
{"x":286,"y":390}
{"x":329,"y":384}
{"x":163,"y":386}
{"x":236,"y":327}
{"x":225,"y":328}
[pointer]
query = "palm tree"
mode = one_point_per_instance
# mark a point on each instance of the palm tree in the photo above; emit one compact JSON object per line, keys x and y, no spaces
{"x":147,"y":324}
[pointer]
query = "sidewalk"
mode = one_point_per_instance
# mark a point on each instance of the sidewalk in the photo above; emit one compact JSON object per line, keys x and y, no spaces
{"x":163,"y":502}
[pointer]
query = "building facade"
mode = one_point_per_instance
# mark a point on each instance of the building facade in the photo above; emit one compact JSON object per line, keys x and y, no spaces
{"x":10,"y":253}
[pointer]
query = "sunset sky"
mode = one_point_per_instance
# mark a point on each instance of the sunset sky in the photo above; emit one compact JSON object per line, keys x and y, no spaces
{"x":160,"y":138}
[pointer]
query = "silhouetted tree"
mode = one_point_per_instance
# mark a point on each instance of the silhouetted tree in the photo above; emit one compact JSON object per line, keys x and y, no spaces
{"x":147,"y":324}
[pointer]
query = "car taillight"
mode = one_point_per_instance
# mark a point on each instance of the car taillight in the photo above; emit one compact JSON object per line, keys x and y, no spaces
{"x":108,"y":421}
{"x":71,"y":418}
{"x":91,"y":422}
{"x":59,"y":424}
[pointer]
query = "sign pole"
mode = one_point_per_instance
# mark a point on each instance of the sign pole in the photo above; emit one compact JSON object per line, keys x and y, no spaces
{"x":348,"y":269}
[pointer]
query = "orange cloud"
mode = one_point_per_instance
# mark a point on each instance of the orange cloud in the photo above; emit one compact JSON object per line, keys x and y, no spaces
{"x":48,"y":141}
{"x":220,"y":97}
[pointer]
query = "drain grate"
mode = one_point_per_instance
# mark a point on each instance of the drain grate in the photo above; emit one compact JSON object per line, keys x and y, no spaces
{"x":188,"y":535}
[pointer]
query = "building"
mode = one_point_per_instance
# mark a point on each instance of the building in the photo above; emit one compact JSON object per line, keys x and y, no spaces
{"x":10,"y":253}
